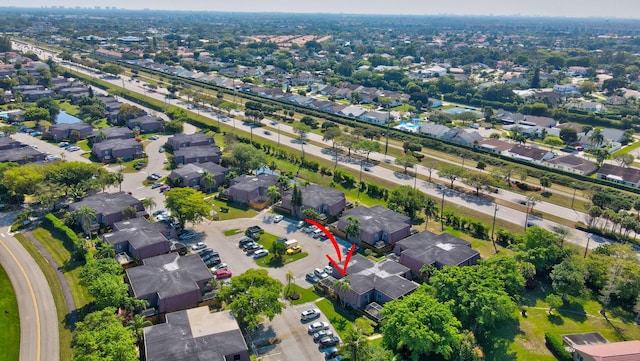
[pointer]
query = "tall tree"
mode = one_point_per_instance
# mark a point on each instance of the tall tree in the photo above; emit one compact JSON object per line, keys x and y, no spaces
{"x":569,"y":276}
{"x":406,"y":161}
{"x":420,"y":326}
{"x":451,"y":172}
{"x":478,"y":181}
{"x":352,"y":228}
{"x":102,"y":336}
{"x":430,"y":210}
{"x":406,"y":200}
{"x":251,"y":294}
{"x":187,"y":205}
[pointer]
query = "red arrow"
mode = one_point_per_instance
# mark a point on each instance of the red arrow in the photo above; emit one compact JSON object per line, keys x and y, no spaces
{"x":342,"y":271}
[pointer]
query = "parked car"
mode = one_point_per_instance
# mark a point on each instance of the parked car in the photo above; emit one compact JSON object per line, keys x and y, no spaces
{"x":223,"y":273}
{"x":63,"y":144}
{"x":310,"y":229}
{"x":247,"y":245}
{"x":153,"y":137}
{"x":332,"y":354}
{"x":212,"y":262}
{"x":294,"y":250}
{"x":260,"y":253}
{"x":253,"y":247}
{"x":219,"y":267}
{"x":159,"y":211}
{"x":156,"y":175}
{"x":301,"y":224}
{"x":320,"y":273}
{"x":188,"y":234}
{"x":328,"y":270}
{"x":204,"y":252}
{"x":321,"y":334}
{"x":198,"y":246}
{"x":73,"y":148}
{"x":329,"y":341}
{"x":317,"y":326}
{"x":244,"y":240}
{"x":278,"y":218}
{"x":309,"y":314}
{"x":164,"y":188}
{"x":156,"y":185}
{"x":312,"y":278}
{"x":254,"y":232}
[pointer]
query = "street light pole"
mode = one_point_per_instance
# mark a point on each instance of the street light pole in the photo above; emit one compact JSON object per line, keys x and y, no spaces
{"x":574,"y":196}
{"x":278,"y":135}
{"x":415,"y":178}
{"x":493,"y":228}
{"x":386,"y":145}
{"x":587,"y":246}
{"x":360,"y":184}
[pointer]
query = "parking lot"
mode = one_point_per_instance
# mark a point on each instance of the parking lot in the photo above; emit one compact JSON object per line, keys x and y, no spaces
{"x":293,"y":341}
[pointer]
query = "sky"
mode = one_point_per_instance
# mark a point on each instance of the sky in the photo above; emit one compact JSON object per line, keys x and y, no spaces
{"x":555,"y":8}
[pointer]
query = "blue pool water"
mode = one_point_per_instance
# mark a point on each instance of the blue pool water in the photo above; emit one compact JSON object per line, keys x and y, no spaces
{"x":408,"y":126}
{"x":66,"y":118}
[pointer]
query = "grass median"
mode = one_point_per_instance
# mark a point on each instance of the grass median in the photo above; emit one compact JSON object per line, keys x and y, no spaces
{"x":9,"y":320}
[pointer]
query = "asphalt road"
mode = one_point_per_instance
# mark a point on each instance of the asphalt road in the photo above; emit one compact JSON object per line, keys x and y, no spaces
{"x":39,"y":339}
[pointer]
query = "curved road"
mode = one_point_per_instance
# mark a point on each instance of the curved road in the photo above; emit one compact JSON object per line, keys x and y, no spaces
{"x":39,"y":339}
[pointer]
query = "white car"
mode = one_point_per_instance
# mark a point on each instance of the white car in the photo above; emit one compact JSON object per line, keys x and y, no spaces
{"x":309,"y":314}
{"x":219,"y":267}
{"x":320,"y":273}
{"x":278,"y":218}
{"x":199,"y":245}
{"x":260,"y":253}
{"x":317,"y":326}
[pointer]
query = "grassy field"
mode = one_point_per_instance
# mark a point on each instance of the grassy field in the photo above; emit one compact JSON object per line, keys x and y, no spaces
{"x":58,"y":298}
{"x":266,"y":240}
{"x":9,"y":320}
{"x":70,"y":268}
{"x":234,"y":210}
{"x":524,"y":339}
{"x":306,"y":294}
{"x":339,"y":318}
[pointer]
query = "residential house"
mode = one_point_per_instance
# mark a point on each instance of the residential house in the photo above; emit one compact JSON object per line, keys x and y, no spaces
{"x":371,"y":282}
{"x":614,"y":351}
{"x":379,"y":227}
{"x":434,"y":130}
{"x":375,"y":117}
{"x":577,"y":71}
{"x":35,"y":95}
{"x":21,"y":155}
{"x":592,"y":107}
{"x":146,"y":124}
{"x":573,"y":164}
{"x":353,"y":111}
{"x":111,"y":133}
{"x":111,"y":207}
{"x":111,"y":149}
{"x":251,"y":189}
{"x":462,"y":136}
{"x":623,"y":175}
{"x":182,"y":140}
{"x":64,"y":131}
{"x":529,"y":154}
{"x":326,"y":201}
{"x":197,"y":154}
{"x":610,"y":136}
{"x":536,"y":121}
{"x":437,"y":250}
{"x":7,"y":143}
{"x":192,"y":175}
{"x":142,"y":223}
{"x":196,"y":334}
{"x":565,"y":88}
{"x":508,"y":117}
{"x":495,"y":145}
{"x":137,"y":242}
{"x":170,"y":282}
{"x":582,"y":339}
{"x":74,"y":91}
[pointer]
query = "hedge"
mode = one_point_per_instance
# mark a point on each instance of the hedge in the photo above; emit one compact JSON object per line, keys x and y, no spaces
{"x":554,"y":345}
{"x":70,"y":238}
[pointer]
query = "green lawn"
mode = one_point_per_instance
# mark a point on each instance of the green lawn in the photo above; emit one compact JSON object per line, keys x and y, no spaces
{"x":306,"y":294}
{"x":234,"y":210}
{"x":266,"y":240}
{"x":9,"y":320}
{"x":58,"y":298}
{"x":231,"y":232}
{"x":71,"y":269}
{"x":339,"y":318}
{"x":524,"y":339}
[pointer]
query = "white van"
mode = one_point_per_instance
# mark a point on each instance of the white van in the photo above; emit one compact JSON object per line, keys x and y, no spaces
{"x":291,"y":243}
{"x":317,"y":233}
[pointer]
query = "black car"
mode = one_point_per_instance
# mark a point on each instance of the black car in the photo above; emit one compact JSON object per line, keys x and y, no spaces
{"x":248,"y":245}
{"x":254,"y":232}
{"x":244,"y":241}
{"x":212,"y":262}
{"x":329,"y":341}
{"x":251,"y":250}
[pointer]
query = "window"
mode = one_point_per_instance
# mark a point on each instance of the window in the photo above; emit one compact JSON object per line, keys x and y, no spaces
{"x":236,"y":357}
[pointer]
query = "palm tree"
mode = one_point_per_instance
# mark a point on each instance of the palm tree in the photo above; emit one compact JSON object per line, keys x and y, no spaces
{"x":23,"y":216}
{"x":119,"y":178}
{"x":136,"y":325}
{"x":282,"y":183}
{"x":129,"y":212}
{"x":273,"y":194}
{"x":149,"y":203}
{"x":596,"y":137}
{"x":290,"y":277}
{"x":352,"y":228}
{"x":343,"y":285}
{"x":430,"y":210}
{"x":208,"y":181}
{"x":120,"y":162}
{"x":85,"y":216}
{"x":104,"y":250}
{"x":355,"y":342}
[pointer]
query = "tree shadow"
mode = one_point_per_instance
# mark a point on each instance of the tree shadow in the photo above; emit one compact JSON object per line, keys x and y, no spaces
{"x":574,"y":311}
{"x":496,"y":344}
{"x":555,"y":319}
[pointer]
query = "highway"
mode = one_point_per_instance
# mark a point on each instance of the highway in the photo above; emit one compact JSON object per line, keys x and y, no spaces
{"x":39,"y":339}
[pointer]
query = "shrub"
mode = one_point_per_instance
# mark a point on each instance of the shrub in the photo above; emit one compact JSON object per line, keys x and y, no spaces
{"x":555,"y":346}
{"x":53,"y":224}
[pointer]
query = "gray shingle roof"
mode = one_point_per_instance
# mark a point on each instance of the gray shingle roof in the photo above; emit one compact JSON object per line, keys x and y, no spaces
{"x":194,"y":335}
{"x":107,"y":203}
{"x":168,"y":275}
{"x":378,"y":218}
{"x":436,"y":249}
{"x":250,"y":182}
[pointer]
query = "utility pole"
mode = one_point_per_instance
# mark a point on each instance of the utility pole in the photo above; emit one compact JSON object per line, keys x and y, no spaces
{"x":442,"y":212}
{"x":574,"y":195}
{"x":493,"y":228}
{"x":386,"y":145}
{"x":586,"y":248}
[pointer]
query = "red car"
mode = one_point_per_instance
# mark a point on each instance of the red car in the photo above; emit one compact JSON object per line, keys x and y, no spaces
{"x":164,"y":188}
{"x":223,"y":273}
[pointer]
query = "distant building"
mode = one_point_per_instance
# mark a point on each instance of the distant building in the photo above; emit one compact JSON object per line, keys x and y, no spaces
{"x":572,"y":163}
{"x":623,"y":175}
{"x":251,"y":189}
{"x":111,"y":207}
{"x":379,"y":227}
{"x":192,"y":175}
{"x":194,"y":335}
{"x":325,"y":201}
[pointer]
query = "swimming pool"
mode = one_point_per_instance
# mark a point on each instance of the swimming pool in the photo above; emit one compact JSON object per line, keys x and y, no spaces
{"x":408,"y":127}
